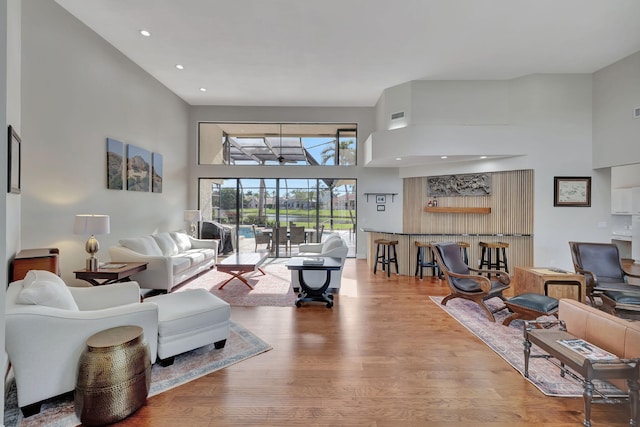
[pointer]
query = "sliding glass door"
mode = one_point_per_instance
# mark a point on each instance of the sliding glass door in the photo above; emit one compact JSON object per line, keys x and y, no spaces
{"x":278,"y":214}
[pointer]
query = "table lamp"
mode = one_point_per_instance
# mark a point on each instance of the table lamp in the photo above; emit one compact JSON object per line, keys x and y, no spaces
{"x":91,"y":224}
{"x":192,"y":216}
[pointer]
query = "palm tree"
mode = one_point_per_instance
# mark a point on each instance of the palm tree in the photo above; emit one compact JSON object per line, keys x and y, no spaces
{"x":345,"y":156}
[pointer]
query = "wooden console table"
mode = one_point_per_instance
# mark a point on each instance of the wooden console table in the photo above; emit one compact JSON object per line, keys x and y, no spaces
{"x":549,"y":281}
{"x":586,"y":369}
{"x":35,"y":259}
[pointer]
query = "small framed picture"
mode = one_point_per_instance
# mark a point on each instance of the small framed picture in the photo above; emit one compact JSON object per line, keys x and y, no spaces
{"x":14,"y":162}
{"x":380,"y":207}
{"x":381,"y":199}
{"x":572,"y":191}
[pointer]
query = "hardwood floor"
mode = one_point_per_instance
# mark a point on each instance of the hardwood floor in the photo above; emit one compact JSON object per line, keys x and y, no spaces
{"x":383,"y":356}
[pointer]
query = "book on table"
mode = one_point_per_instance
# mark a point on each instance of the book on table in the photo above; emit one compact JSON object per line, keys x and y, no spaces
{"x":112,"y":266}
{"x":313,"y":261}
{"x":586,"y":349}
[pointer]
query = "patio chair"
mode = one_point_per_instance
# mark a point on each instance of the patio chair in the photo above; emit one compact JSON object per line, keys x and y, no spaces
{"x":601,"y":266}
{"x":261,"y":238}
{"x":296,"y":236}
{"x":466,"y":282}
{"x":280,"y":237}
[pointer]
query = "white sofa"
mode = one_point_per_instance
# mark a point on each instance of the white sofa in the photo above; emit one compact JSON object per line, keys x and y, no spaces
{"x":334,"y":246}
{"x":172,"y":258}
{"x":47,"y":327}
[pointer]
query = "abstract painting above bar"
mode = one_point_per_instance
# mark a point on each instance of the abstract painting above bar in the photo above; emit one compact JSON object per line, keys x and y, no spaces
{"x":471,"y":184}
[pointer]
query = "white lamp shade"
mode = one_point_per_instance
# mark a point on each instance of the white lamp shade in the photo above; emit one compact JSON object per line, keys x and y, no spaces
{"x":192,"y":216}
{"x":91,"y":224}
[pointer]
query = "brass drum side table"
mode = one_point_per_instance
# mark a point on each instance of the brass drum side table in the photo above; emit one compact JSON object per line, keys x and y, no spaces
{"x":114,"y":375}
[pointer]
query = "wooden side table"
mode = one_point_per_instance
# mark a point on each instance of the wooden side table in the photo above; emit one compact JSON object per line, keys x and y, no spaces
{"x":114,"y":376}
{"x":111,"y":273}
{"x":308,"y":293}
{"x":549,"y":281}
{"x":35,"y":259}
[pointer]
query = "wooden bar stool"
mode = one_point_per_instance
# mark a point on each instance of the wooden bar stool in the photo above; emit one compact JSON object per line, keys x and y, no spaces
{"x":422,"y":263}
{"x":464,"y":246}
{"x":385,"y":257}
{"x":500,"y":251}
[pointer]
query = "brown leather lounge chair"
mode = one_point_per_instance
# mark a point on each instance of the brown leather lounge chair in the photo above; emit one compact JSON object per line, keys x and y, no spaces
{"x":466,"y":282}
{"x":601,"y":266}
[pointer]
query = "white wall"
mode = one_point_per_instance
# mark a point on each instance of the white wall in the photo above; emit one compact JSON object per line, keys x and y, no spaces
{"x":546,"y":124}
{"x":616,"y":92}
{"x":368,"y":179}
{"x":9,"y":115}
{"x":77,"y":90}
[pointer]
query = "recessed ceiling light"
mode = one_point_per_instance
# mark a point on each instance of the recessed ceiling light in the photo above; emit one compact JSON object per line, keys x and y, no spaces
{"x":179,"y":66}
{"x":145,"y":33}
{"x":483,"y":157}
{"x":203,"y":89}
{"x":443,"y":157}
{"x":398,"y":158}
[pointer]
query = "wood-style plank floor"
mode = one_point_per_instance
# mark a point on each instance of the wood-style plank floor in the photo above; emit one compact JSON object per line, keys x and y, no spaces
{"x":385,"y":355}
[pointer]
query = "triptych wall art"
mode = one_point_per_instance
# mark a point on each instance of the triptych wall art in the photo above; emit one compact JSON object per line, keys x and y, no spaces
{"x":143,"y":169}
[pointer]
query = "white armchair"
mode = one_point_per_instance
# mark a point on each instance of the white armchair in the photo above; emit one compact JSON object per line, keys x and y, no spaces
{"x":45,"y":343}
{"x":334,"y":247}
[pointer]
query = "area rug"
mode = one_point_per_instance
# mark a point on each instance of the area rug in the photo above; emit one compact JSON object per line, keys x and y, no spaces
{"x":506,"y":341}
{"x":59,"y":412}
{"x":270,"y":289}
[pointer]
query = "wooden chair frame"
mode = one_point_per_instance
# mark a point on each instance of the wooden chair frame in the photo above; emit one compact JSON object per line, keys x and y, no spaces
{"x":487,"y":288}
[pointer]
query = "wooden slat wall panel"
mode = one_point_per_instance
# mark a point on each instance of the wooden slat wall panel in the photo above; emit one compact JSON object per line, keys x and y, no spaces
{"x":511,"y":204}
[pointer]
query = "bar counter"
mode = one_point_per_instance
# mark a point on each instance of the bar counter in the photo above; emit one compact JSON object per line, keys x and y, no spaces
{"x":519,"y":252}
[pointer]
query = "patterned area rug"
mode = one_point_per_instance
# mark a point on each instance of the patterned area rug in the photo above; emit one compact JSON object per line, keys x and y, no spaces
{"x":59,"y":412}
{"x":506,"y":341}
{"x":270,"y":289}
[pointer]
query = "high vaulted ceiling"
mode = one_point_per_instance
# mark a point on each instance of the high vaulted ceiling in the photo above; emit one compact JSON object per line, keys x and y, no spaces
{"x":346,"y":52}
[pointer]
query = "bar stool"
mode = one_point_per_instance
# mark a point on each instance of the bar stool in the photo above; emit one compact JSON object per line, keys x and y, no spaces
{"x":422,"y":263}
{"x":486,"y":258}
{"x":463,"y":247}
{"x":385,"y":257}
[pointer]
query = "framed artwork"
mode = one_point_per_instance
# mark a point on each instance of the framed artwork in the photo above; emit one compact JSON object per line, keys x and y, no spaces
{"x":115,"y":164}
{"x":572,"y":191}
{"x":156,"y":172}
{"x":381,"y":199}
{"x":14,"y":161}
{"x":380,"y":207}
{"x":138,"y":168}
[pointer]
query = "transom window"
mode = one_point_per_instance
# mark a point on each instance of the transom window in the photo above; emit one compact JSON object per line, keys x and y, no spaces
{"x":280,"y":144}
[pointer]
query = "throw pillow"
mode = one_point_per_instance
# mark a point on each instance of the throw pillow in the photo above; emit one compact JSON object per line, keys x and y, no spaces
{"x":41,"y":287}
{"x":182,"y":240}
{"x":145,"y":245}
{"x":331,"y":244}
{"x":167,"y":245}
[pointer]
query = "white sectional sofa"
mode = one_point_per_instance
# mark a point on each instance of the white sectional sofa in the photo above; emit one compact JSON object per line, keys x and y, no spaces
{"x":172,"y":258}
{"x":334,"y":246}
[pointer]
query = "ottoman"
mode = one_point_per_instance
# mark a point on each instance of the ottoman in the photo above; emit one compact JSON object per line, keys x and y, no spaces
{"x":188,"y":320}
{"x":530,"y":307}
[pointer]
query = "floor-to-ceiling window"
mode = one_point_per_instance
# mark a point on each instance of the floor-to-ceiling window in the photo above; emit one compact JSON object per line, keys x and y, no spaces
{"x":290,"y":201}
